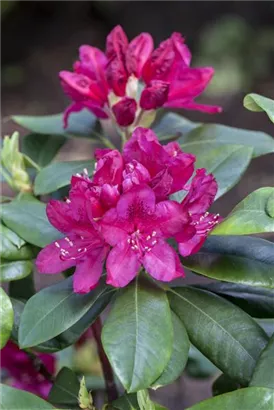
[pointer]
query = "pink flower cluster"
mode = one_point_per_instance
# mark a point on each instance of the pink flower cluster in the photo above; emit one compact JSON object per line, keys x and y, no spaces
{"x":124,"y":215}
{"x":22,"y":371}
{"x":133,"y":76}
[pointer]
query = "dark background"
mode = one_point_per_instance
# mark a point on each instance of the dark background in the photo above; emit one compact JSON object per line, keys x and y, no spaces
{"x":237,"y":38}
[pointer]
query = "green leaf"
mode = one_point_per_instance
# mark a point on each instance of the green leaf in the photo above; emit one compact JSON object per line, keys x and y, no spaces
{"x":224,"y":384}
{"x":232,"y":345}
{"x":249,"y":216}
{"x":126,"y":402}
{"x":198,"y":366}
{"x":14,"y":399}
{"x":251,"y":398}
{"x":12,"y":247}
{"x":221,"y":134}
{"x":29,"y":220}
{"x":65,"y":388}
{"x":172,"y":124}
{"x":179,"y":354}
{"x":257,"y":302}
{"x":58,"y":175}
{"x":80,"y":124}
{"x":232,"y":259}
{"x":6,"y":322}
{"x":140,"y":321}
{"x":22,"y":289}
{"x":256,"y":102}
{"x":226,"y":162}
{"x":144,"y":401}
{"x":54,"y":310}
{"x":263,"y":373}
{"x":267,"y":325}
{"x":15,"y":270}
{"x":42,"y":148}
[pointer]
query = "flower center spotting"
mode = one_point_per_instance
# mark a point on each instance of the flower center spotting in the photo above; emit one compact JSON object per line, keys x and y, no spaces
{"x":142,"y":242}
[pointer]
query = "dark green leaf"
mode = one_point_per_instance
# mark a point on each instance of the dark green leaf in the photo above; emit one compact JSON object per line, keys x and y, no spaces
{"x":232,"y":345}
{"x":263,"y":373}
{"x":267,"y":325}
{"x":256,"y":102}
{"x":257,"y":302}
{"x":14,"y":270}
{"x":81,"y":124}
{"x":6,"y":322}
{"x":58,"y":175}
{"x":215,"y":133}
{"x":250,"y":216}
{"x":13,"y":247}
{"x":226,"y":162}
{"x":22,"y":289}
{"x":251,"y":398}
{"x":179,"y":354}
{"x":65,"y":388}
{"x":248,"y":260}
{"x":42,"y":148}
{"x":174,"y":125}
{"x":126,"y":402}
{"x":198,"y":366}
{"x":224,"y":384}
{"x":56,"y":309}
{"x":14,"y":399}
{"x":29,"y":220}
{"x":140,"y":321}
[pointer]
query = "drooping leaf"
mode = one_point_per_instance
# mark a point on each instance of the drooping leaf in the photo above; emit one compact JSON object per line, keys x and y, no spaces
{"x":179,"y":354}
{"x":250,"y":216}
{"x":263,"y":372}
{"x":232,"y":345}
{"x":6,"y":322}
{"x":173,"y":125}
{"x":249,"y":398}
{"x":80,"y":124}
{"x":65,"y":388}
{"x":142,"y":311}
{"x":14,"y":270}
{"x":58,"y":175}
{"x":42,"y":148}
{"x":55,"y":309}
{"x":256,"y":102}
{"x":14,"y":399}
{"x":257,"y":302}
{"x":28,"y":219}
{"x":226,"y":162}
{"x":261,"y":142}
{"x":247,"y":261}
{"x":224,"y":384}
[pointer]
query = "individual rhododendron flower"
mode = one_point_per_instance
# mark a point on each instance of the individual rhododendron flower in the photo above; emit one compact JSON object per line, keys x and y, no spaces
{"x":23,"y":373}
{"x":131,"y":77}
{"x":124,"y":215}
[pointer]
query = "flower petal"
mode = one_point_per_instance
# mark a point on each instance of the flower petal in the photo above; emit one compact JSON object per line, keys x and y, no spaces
{"x":160,"y":262}
{"x":124,"y":111}
{"x":109,"y":169}
{"x":49,"y":261}
{"x":122,"y":265}
{"x":88,"y":270}
{"x":170,"y":218}
{"x":59,"y":215}
{"x":192,"y":245}
{"x":114,"y":229}
{"x":138,"y":52}
{"x":154,"y":95}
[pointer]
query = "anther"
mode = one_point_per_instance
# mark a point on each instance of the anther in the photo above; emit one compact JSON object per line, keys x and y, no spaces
{"x":57,"y":244}
{"x":68,"y":201}
{"x":78,"y":175}
{"x":85,"y":171}
{"x":154,"y":242}
{"x":67,"y":239}
{"x":129,"y":240}
{"x":71,"y":243}
{"x":148,"y":237}
{"x":153,"y":233}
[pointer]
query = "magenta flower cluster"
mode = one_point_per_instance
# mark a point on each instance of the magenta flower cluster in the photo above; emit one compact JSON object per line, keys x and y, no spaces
{"x":133,"y":76}
{"x":22,"y":372}
{"x":124,"y":215}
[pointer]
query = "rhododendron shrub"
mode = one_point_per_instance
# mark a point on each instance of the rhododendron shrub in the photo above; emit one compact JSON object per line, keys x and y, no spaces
{"x":151,"y":277}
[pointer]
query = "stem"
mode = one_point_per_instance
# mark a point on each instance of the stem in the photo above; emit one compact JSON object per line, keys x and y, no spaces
{"x":39,"y":365}
{"x":106,"y":367}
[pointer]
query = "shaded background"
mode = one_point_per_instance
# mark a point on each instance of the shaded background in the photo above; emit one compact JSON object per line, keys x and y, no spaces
{"x":237,"y":38}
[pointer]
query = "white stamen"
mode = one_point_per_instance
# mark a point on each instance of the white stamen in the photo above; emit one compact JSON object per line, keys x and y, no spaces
{"x":78,"y":175}
{"x":133,"y":247}
{"x":57,"y":244}
{"x":153,"y":233}
{"x":148,"y":237}
{"x":149,"y":249}
{"x":71,"y":243}
{"x":82,"y":237}
{"x":67,"y":239}
{"x":68,"y":201}
{"x":138,"y":231}
{"x":85,"y":171}
{"x":129,"y":240}
{"x":154,"y":242}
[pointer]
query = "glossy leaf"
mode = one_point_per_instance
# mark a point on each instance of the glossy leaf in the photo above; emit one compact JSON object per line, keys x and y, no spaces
{"x":14,"y":399}
{"x":261,"y":142}
{"x":251,"y":398}
{"x":256,"y":102}
{"x":6,"y":322}
{"x":232,"y":345}
{"x":224,"y":384}
{"x":179,"y":354}
{"x":12,"y":237}
{"x":80,"y":124}
{"x":173,"y":125}
{"x":263,"y":373}
{"x":42,"y":148}
{"x":142,"y":311}
{"x":250,"y":216}
{"x":267,"y":325}
{"x":126,"y":402}
{"x":65,"y":388}
{"x":257,"y":302}
{"x":248,"y":260}
{"x":29,"y":220}
{"x":14,"y":270}
{"x":58,"y":175}
{"x":13,"y":247}
{"x":226,"y":162}
{"x":54,"y":310}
